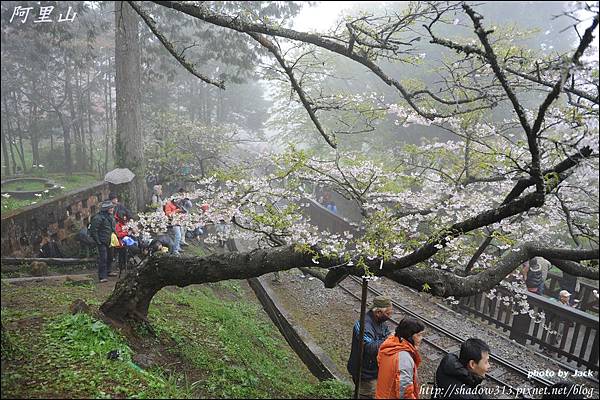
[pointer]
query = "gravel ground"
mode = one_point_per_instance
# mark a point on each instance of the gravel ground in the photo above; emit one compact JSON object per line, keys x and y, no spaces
{"x":329,"y":314}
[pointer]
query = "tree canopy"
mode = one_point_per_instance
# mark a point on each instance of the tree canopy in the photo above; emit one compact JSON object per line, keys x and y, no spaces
{"x":516,"y":178}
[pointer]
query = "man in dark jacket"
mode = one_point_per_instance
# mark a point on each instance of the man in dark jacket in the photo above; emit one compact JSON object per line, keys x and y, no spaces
{"x":101,"y":229}
{"x":459,"y":377}
{"x":376,"y":331}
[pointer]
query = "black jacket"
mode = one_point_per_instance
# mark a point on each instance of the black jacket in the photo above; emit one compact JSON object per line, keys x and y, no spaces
{"x":453,"y":380}
{"x":102,"y":227}
{"x":375,"y":334}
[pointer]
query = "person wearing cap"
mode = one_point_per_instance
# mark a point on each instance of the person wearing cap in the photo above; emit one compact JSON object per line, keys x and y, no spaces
{"x":568,"y":282}
{"x":375,"y":333}
{"x":564,"y":297}
{"x":101,"y":229}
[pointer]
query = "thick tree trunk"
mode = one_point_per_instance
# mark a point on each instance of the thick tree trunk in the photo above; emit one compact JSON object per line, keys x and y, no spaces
{"x":133,"y":294}
{"x":129,"y":141}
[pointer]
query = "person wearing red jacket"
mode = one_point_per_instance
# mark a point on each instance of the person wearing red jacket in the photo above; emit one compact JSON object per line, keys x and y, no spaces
{"x":398,"y":361}
{"x":122,"y":230}
{"x":171,"y":208}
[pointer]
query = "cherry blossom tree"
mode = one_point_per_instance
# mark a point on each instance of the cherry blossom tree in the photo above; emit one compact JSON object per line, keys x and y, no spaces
{"x":455,"y":217}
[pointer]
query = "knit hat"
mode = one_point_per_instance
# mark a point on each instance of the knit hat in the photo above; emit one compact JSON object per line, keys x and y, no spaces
{"x":106,"y":205}
{"x":381,"y":302}
{"x":534,"y":265}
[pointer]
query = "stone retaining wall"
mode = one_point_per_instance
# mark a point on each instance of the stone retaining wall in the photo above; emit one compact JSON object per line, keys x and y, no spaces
{"x":23,"y":229}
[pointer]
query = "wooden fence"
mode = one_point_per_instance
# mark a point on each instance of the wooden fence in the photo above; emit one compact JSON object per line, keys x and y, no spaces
{"x":567,"y":332}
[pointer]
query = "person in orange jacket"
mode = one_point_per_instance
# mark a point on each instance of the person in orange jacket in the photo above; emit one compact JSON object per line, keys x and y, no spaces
{"x":171,"y":208}
{"x":398,"y":360}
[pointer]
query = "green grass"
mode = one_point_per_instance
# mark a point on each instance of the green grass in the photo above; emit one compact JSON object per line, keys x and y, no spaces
{"x":67,"y":183}
{"x":69,"y":357}
{"x":24,"y":186}
{"x":75,"y":181}
{"x":243,"y":353}
{"x":9,"y":204}
{"x":218,"y":334}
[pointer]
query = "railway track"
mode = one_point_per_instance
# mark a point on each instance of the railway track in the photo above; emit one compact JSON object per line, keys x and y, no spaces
{"x":510,"y":380}
{"x":506,"y":378}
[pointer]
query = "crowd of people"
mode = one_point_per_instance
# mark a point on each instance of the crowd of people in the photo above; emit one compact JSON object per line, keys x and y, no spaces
{"x":535,"y":272}
{"x":113,"y":236}
{"x":390,"y":363}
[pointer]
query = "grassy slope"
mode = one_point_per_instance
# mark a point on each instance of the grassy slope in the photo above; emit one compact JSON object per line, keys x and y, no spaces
{"x":212,"y":341}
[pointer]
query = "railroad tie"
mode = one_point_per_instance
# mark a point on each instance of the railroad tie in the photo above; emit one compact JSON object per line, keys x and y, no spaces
{"x":497,"y":372}
{"x":453,"y":349}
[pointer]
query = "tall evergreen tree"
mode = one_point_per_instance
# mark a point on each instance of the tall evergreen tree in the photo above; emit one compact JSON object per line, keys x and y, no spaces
{"x":128,"y":145}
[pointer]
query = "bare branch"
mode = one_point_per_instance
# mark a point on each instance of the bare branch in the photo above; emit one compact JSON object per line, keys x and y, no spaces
{"x":169,"y":46}
{"x":266,"y":43}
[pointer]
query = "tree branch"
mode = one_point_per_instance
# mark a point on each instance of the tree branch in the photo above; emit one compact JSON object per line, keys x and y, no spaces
{"x":522,"y":185}
{"x":266,"y":43}
{"x":202,"y":12}
{"x":169,"y":46}
{"x":443,"y":283}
